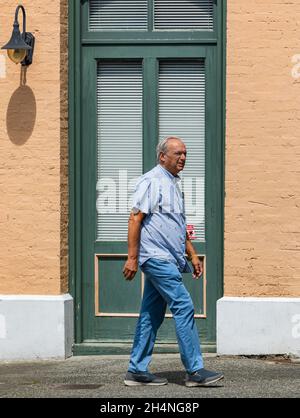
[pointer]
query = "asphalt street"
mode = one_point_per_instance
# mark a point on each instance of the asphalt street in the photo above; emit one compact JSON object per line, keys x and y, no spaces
{"x":102,"y":377}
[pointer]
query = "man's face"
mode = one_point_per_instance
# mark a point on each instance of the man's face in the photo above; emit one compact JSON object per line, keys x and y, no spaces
{"x":174,"y":159}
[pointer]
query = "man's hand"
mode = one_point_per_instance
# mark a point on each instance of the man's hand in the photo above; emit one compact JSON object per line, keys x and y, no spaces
{"x":130,"y":269}
{"x":198,"y":266}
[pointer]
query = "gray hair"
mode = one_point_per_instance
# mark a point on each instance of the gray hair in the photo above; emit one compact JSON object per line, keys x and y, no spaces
{"x":162,"y":146}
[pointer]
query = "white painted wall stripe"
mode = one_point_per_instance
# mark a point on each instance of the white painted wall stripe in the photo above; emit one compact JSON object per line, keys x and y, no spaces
{"x":2,"y":327}
{"x":258,"y":326}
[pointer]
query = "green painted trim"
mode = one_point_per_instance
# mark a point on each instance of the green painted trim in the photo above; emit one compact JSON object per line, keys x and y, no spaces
{"x":132,"y":52}
{"x":71,"y":150}
{"x":92,"y":39}
{"x":150,"y":15}
{"x":150,"y":122}
{"x":84,"y":8}
{"x":222,"y":47}
{"x":90,"y":349}
{"x":212,"y":191}
{"x":224,"y":71}
{"x":110,"y":247}
{"x":74,"y":166}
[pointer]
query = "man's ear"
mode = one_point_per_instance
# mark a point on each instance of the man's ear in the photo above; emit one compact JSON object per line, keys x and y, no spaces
{"x":162,"y":157}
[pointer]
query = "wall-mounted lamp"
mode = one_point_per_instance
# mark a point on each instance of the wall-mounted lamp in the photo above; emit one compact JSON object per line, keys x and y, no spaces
{"x":20,"y":47}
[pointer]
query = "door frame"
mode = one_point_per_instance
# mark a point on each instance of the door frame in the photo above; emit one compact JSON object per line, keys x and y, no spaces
{"x":76,"y":43}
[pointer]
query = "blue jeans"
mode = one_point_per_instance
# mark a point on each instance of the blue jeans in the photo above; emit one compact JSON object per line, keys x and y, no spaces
{"x":163,"y":286}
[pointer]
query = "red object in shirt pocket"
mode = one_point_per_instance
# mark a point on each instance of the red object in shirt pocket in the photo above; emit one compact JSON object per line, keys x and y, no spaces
{"x":191,"y":231}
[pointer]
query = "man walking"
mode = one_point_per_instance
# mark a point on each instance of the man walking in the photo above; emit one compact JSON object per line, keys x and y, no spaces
{"x":157,"y":242}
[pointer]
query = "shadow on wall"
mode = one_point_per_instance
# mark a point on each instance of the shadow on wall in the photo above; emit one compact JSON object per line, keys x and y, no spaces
{"x":21,"y":112}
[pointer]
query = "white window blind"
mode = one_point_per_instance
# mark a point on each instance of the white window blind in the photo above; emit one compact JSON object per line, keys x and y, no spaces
{"x":118,"y":15}
{"x":183,"y":14}
{"x":182,"y":113}
{"x":120,"y":146}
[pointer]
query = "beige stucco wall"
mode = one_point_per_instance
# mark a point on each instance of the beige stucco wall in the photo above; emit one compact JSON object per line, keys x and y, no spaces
{"x":33,"y":155}
{"x":262,"y":213}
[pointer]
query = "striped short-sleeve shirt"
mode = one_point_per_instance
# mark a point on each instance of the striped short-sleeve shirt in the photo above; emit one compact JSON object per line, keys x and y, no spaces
{"x":163,"y":232}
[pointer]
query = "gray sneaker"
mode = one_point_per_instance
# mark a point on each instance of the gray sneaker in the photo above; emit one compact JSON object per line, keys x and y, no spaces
{"x":202,"y":377}
{"x":144,"y":378}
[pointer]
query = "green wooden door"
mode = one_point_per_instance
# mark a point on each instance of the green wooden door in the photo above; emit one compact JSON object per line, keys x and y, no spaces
{"x":109,"y":305}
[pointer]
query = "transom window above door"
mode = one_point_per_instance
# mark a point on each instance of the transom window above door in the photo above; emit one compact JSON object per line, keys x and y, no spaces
{"x":151,"y":15}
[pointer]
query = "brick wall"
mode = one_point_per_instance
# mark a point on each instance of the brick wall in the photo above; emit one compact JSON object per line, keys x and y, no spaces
{"x":262,"y":210}
{"x":33,"y":154}
{"x":262,"y":222}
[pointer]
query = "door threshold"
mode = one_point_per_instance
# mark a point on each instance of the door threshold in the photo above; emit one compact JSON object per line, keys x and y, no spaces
{"x":100,"y":348}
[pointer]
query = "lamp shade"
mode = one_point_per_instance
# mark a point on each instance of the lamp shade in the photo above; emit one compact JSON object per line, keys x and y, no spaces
{"x":16,"y":40}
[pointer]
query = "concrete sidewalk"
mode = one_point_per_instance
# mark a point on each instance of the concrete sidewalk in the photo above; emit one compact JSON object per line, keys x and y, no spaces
{"x":102,"y":377}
